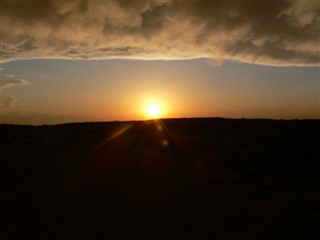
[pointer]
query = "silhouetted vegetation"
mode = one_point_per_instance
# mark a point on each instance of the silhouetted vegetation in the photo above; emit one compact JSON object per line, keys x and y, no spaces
{"x":207,"y":178}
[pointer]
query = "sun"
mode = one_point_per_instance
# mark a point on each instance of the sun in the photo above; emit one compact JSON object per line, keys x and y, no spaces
{"x":153,"y":110}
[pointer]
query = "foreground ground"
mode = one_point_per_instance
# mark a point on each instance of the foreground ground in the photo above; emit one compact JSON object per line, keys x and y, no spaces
{"x":165,"y":179}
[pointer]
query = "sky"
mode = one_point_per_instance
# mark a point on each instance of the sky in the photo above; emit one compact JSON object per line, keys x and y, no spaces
{"x":74,"y":61}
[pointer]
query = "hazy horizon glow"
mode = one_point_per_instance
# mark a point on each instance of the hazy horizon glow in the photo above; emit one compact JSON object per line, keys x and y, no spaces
{"x":70,"y":91}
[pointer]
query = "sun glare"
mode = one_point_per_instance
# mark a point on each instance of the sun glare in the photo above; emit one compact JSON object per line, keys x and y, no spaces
{"x":153,"y":110}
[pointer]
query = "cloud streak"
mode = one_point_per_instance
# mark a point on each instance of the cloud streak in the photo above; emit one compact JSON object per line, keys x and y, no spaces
{"x":11,"y":81}
{"x":280,"y":33}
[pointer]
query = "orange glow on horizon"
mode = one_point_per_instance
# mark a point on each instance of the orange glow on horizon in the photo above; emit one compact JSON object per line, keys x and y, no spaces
{"x":153,"y":110}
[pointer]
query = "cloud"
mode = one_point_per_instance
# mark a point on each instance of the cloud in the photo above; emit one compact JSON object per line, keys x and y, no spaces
{"x":275,"y":32}
{"x":11,"y":102}
{"x":8,"y":101}
{"x":11,"y":81}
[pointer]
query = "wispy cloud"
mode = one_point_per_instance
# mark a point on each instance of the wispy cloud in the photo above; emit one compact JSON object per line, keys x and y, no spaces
{"x":11,"y":81}
{"x":8,"y":101}
{"x":275,"y":32}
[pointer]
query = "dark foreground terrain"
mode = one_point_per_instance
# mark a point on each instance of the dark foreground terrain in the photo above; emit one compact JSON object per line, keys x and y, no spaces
{"x":167,"y":179}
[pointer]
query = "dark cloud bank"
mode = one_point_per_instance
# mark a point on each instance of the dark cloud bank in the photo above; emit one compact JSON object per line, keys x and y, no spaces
{"x":280,"y":33}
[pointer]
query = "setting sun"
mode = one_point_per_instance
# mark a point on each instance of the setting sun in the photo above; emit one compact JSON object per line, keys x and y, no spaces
{"x":153,"y":110}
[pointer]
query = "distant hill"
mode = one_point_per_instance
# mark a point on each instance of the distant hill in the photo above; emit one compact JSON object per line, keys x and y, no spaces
{"x":205,"y":178}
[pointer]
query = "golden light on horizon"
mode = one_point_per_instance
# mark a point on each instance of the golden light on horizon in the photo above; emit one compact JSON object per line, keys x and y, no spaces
{"x":153,"y":110}
{"x":156,"y":106}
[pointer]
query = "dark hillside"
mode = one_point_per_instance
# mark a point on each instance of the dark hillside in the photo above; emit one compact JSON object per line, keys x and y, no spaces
{"x":168,"y":179}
